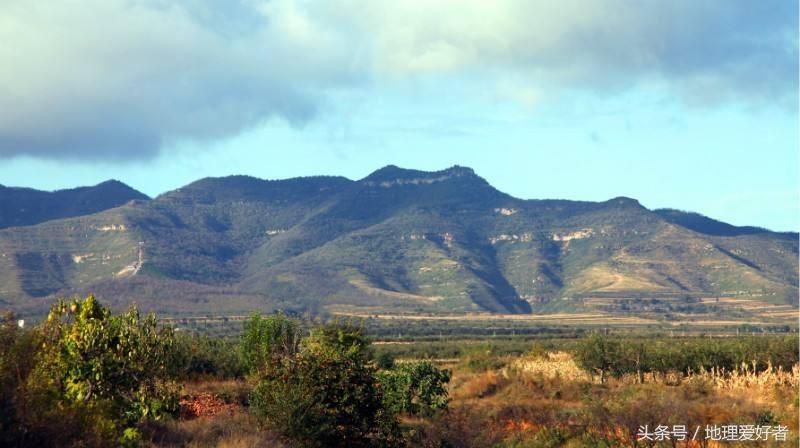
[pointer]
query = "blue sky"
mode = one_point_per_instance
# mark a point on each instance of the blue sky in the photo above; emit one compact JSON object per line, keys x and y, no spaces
{"x":685,"y":104}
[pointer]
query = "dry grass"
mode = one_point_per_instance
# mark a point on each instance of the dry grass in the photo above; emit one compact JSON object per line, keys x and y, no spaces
{"x":239,"y":429}
{"x":213,"y":415}
{"x":530,"y":397}
{"x":232,"y":391}
{"x":364,"y":286}
{"x":605,"y":278}
{"x":745,"y":377}
{"x":480,"y":385}
{"x":534,"y":397}
{"x":554,"y":365}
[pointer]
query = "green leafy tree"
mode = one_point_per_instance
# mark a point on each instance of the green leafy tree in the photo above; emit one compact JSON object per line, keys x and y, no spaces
{"x":326,"y":394}
{"x":265,"y":339}
{"x":204,"y":356}
{"x":115,"y":371}
{"x":417,"y":388}
{"x":635,"y":359}
{"x":341,"y":336}
{"x":17,"y":347}
{"x":384,"y":360}
{"x":599,"y":354}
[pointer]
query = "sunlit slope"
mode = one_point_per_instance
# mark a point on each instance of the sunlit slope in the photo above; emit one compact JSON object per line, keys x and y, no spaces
{"x":48,"y":257}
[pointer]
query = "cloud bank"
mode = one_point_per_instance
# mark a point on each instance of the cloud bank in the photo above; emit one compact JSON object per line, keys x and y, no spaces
{"x":124,"y":79}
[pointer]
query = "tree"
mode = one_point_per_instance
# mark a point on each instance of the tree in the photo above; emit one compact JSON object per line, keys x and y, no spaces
{"x":342,"y":336}
{"x":16,"y":362}
{"x":265,"y":339}
{"x":198,"y":355}
{"x":599,"y":354}
{"x":417,"y":388}
{"x":635,"y":358}
{"x":113,"y":371}
{"x":384,"y":360}
{"x":326,"y":394}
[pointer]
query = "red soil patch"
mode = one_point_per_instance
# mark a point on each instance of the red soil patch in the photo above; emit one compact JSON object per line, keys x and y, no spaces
{"x":204,"y":405}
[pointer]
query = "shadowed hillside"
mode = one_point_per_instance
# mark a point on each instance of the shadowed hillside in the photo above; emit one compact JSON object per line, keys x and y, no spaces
{"x":26,"y":206}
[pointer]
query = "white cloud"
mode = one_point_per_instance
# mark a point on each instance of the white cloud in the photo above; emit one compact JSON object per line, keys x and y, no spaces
{"x":707,"y":50}
{"x":125,"y":78}
{"x":118,"y":79}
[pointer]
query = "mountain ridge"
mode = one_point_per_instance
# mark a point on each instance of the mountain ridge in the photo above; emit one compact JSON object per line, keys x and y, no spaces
{"x":20,"y":206}
{"x":397,"y":240}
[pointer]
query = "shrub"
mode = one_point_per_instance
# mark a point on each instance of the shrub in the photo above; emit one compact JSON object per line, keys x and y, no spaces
{"x":460,"y":427}
{"x":384,"y":360}
{"x":265,"y":338}
{"x":98,"y":375}
{"x":417,"y":389}
{"x":16,"y":361}
{"x":207,"y":356}
{"x":481,"y":359}
{"x":326,"y":394}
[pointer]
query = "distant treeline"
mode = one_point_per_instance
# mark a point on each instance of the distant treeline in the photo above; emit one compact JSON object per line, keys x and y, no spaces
{"x":606,"y":355}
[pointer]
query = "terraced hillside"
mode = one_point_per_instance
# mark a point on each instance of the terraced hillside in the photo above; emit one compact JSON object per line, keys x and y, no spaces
{"x":398,"y":240}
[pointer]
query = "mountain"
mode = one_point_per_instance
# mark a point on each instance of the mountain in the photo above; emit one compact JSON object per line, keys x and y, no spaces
{"x":26,"y":206}
{"x":396,"y":241}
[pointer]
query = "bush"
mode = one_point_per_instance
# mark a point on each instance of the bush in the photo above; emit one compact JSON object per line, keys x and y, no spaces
{"x":266,"y":338}
{"x":460,"y":427}
{"x":384,"y":360}
{"x":97,"y":376}
{"x":16,"y":362}
{"x":326,"y":394}
{"x":483,"y":358}
{"x":198,"y":356}
{"x":417,"y":389}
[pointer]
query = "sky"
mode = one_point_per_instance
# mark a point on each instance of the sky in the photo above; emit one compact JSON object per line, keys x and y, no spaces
{"x":688,"y":104}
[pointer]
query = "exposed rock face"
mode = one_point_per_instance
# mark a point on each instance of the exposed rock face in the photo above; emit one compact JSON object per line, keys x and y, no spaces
{"x":525,"y":237}
{"x":112,"y":228}
{"x":577,"y":235}
{"x":506,"y":211}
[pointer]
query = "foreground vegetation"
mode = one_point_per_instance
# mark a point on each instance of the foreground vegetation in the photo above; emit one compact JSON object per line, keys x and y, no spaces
{"x":86,"y":377}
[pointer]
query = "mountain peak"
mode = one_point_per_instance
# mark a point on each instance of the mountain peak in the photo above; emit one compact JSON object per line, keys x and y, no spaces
{"x":624,"y":201}
{"x":113,"y":182}
{"x":26,"y":206}
{"x":119,"y":186}
{"x":392,"y":175}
